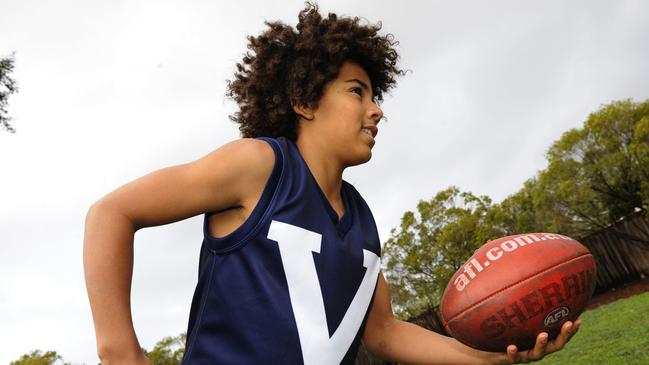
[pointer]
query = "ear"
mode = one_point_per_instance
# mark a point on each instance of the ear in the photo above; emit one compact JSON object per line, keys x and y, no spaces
{"x":303,"y":111}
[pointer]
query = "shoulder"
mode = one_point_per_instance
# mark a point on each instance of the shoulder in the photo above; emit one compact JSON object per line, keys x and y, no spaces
{"x":245,"y":157}
{"x":237,"y":170}
{"x":253,"y":150}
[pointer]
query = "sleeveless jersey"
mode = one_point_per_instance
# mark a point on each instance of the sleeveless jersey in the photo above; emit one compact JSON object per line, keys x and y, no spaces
{"x":292,"y":284}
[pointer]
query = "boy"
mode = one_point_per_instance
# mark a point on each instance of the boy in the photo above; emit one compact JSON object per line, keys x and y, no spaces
{"x":289,"y":267}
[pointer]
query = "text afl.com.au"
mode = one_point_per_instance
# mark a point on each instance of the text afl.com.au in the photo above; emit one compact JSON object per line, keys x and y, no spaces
{"x":474,"y":267}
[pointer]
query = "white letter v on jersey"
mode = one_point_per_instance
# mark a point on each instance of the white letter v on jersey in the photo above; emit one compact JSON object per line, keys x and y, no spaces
{"x":296,"y":246}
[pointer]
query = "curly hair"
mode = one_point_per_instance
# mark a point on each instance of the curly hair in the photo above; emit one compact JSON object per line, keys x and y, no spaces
{"x":292,"y":66}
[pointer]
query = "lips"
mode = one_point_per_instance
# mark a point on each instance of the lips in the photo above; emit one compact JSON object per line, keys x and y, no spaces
{"x":370,"y":130}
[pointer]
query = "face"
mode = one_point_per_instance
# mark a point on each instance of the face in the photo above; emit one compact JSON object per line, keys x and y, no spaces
{"x":344,"y":124}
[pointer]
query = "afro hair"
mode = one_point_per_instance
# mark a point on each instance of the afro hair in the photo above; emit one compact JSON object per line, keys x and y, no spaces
{"x":291,"y":66}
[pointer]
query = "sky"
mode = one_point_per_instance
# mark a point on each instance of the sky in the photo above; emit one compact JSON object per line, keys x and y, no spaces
{"x":113,"y":90}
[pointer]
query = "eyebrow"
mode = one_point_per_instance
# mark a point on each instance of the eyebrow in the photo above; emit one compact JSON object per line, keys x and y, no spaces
{"x":364,"y":85}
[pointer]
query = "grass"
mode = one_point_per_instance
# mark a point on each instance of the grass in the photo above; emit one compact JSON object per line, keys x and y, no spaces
{"x":613,"y":334}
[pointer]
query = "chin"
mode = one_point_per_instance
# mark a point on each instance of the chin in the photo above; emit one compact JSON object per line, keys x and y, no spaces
{"x":360,"y":159}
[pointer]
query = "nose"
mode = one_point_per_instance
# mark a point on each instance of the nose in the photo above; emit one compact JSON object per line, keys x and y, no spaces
{"x":375,"y":113}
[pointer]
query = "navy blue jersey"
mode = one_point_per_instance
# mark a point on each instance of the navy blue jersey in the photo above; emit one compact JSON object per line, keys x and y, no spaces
{"x":291,"y":285}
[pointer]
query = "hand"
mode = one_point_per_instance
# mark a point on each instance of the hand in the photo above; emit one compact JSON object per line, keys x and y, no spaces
{"x":542,"y":347}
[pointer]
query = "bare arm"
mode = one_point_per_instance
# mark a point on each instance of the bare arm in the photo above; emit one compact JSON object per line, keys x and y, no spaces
{"x":231,"y":176}
{"x":408,"y":343}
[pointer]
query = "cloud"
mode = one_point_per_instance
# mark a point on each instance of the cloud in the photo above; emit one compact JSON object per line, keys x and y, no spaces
{"x":111,"y":91}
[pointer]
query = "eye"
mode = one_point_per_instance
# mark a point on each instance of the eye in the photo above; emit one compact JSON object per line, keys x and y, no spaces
{"x":360,"y":91}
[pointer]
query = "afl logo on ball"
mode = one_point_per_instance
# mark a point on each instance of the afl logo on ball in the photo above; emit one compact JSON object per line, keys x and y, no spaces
{"x":556,"y":316}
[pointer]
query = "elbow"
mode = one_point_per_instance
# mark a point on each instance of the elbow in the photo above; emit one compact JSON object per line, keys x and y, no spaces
{"x":95,"y":215}
{"x":105,"y":212}
{"x":98,"y":208}
{"x":376,"y":348}
{"x":94,"y":210}
{"x":105,"y":229}
{"x":375,"y":339}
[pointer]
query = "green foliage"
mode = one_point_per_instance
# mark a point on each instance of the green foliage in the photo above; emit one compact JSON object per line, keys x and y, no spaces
{"x":595,"y":175}
{"x":596,"y":171}
{"x":534,"y":208}
{"x":430,"y":245}
{"x":37,"y":357}
{"x":612,"y":334}
{"x":168,"y":351}
{"x":7,"y":87}
{"x":639,"y":148}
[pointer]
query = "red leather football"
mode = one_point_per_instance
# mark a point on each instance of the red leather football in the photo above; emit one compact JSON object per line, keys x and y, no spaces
{"x":516,"y":287}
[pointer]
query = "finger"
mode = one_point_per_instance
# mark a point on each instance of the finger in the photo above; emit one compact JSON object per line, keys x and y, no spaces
{"x":540,"y":347}
{"x":567,"y":330}
{"x":512,"y":354}
{"x":575,"y":326}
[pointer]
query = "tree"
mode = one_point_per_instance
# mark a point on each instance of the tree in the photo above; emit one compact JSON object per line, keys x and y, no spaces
{"x":534,"y":208}
{"x":595,"y":174}
{"x":37,"y":357}
{"x":430,"y":245}
{"x":594,"y":170}
{"x":168,"y":351}
{"x":8,"y":86}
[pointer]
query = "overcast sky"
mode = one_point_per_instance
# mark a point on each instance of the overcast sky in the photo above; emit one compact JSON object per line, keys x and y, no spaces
{"x":111,"y":90}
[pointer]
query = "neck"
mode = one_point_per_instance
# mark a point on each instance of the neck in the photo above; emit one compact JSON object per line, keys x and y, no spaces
{"x":327,"y":171}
